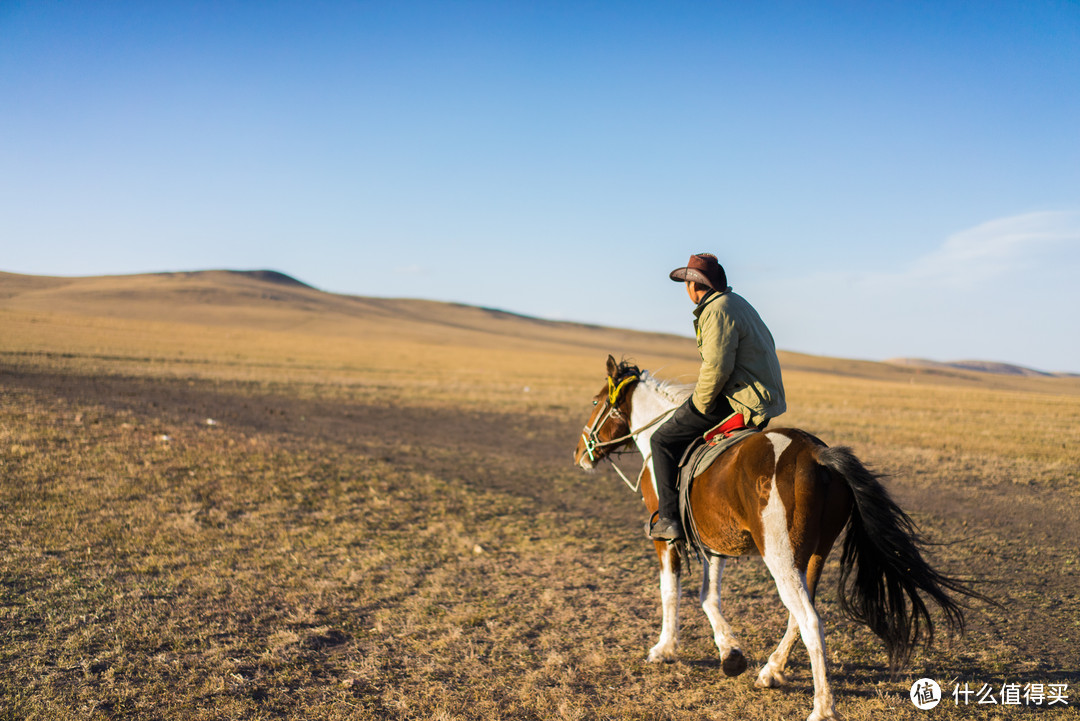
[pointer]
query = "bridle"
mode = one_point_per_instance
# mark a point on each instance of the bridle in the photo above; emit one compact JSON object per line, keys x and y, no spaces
{"x":590,"y":433}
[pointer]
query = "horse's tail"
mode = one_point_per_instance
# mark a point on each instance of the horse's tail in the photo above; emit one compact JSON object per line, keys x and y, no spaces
{"x":883,"y":576}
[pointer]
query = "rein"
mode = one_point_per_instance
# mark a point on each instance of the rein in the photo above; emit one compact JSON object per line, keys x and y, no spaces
{"x":636,"y":485}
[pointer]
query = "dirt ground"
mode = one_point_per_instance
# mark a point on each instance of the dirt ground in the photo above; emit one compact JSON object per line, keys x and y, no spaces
{"x":441,"y":563}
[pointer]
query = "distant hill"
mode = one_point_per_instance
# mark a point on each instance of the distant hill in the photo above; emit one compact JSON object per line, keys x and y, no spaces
{"x":236,"y":304}
{"x":271,"y":276}
{"x":1007,"y":369}
{"x":259,"y":316}
{"x":271,"y":300}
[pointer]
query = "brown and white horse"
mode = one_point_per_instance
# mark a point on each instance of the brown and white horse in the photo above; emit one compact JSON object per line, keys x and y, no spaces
{"x":784,"y":495}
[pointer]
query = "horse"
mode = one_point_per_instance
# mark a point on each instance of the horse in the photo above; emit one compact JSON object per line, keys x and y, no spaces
{"x":784,"y":495}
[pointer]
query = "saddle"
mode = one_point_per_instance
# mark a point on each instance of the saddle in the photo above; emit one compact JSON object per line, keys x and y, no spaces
{"x":697,"y":458}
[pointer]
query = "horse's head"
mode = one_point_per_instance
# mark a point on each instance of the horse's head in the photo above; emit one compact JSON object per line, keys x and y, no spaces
{"x":609,"y":425}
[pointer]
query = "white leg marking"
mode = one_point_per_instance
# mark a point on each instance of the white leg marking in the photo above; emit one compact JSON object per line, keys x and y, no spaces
{"x":794,"y":593}
{"x":665,"y":648}
{"x":772,"y":673}
{"x":724,"y":637}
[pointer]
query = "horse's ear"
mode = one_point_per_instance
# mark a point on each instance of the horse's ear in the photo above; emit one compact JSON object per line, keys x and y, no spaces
{"x":612,"y":366}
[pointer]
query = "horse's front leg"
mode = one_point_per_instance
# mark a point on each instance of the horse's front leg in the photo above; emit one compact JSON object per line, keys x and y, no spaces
{"x":734,"y":663}
{"x":670,"y":570}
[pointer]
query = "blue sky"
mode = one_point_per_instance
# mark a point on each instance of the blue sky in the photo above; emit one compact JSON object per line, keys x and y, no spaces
{"x":880,"y":179}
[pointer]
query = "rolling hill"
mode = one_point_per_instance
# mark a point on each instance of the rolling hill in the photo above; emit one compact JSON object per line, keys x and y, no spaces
{"x":253,"y":317}
{"x":1008,"y":369}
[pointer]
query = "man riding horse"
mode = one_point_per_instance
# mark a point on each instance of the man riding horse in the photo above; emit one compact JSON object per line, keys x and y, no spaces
{"x":738,"y":385}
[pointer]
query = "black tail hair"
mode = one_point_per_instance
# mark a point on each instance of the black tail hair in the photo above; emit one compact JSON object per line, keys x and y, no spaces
{"x":883,"y":575}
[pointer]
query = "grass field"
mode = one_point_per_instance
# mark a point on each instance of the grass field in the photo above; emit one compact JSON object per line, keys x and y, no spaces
{"x":226,"y":498}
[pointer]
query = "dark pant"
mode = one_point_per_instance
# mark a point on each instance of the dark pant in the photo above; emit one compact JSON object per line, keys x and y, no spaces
{"x":668,"y":444}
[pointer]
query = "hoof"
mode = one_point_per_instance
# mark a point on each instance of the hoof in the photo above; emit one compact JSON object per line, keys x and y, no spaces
{"x":657,"y":655}
{"x":769,"y":679}
{"x":734,"y":664}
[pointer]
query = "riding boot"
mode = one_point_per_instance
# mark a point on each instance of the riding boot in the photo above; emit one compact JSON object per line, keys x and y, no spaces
{"x":667,"y":444}
{"x":667,"y":526}
{"x":666,"y":529}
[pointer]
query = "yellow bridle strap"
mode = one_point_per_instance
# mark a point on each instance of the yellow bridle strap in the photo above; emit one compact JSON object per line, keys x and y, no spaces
{"x":615,"y":390}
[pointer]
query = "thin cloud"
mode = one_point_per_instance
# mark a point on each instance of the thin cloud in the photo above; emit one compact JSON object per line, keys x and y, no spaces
{"x":1002,"y":290}
{"x":996,"y":248}
{"x":976,"y":257}
{"x":411,"y":270}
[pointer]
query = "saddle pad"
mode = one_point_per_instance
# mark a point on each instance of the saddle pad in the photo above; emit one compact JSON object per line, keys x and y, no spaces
{"x":705,"y":454}
{"x":699,"y":460}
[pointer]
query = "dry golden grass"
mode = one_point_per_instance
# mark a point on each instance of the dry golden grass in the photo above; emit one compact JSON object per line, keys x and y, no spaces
{"x":383,"y":521}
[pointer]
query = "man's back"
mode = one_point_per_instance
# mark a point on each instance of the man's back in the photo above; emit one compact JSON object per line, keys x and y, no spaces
{"x":739,"y":360}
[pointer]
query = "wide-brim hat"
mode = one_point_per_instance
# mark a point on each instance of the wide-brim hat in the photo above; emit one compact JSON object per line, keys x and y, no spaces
{"x":702,"y":268}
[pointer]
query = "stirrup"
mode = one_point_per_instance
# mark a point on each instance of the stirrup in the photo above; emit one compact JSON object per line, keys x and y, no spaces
{"x":650,"y":523}
{"x":671,"y":529}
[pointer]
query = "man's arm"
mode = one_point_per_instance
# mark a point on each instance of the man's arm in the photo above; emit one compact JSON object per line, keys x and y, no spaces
{"x":718,"y":341}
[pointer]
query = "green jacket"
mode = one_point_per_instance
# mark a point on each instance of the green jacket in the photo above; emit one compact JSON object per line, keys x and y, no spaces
{"x":738,"y":360}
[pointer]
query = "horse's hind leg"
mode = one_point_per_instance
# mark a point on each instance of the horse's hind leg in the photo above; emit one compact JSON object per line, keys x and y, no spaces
{"x":734,"y":663}
{"x":795,"y":594}
{"x":772,"y":673}
{"x":670,"y":569}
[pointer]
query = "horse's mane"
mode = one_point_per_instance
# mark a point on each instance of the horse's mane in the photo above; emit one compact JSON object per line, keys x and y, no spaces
{"x":674,"y":392}
{"x":667,"y":389}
